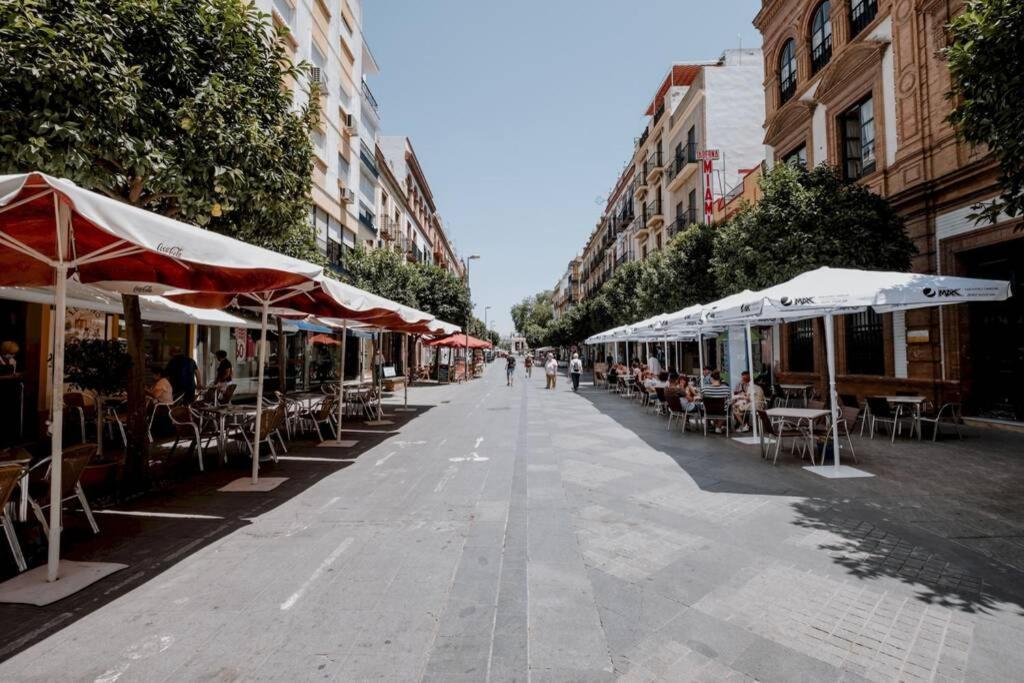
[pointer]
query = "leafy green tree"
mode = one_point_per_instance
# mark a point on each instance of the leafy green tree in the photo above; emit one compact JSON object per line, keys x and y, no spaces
{"x":442,"y":294}
{"x":533,"y":316}
{"x":807,"y":219}
{"x":687,"y":260}
{"x":175,"y":106}
{"x":985,"y":56}
{"x":386,"y":273}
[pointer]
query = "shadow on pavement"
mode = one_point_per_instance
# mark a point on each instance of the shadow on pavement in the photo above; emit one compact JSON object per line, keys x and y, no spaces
{"x":182,"y":515}
{"x":946,"y":518}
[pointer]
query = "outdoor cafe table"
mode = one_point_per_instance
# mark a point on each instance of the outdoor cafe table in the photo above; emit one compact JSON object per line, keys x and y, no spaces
{"x":799,"y":415}
{"x":797,"y":391}
{"x":913,"y":401}
{"x":221,"y":414}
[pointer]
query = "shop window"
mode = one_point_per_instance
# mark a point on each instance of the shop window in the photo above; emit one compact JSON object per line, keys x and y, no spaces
{"x":865,"y":344}
{"x":801,"y":346}
{"x":858,"y":128}
{"x":821,"y":37}
{"x":798,"y":157}
{"x":787,"y":71}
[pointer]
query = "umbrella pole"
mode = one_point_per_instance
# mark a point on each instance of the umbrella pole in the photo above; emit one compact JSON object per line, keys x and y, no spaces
{"x":57,"y":421}
{"x":405,"y":368}
{"x":664,"y":350}
{"x":830,"y":352}
{"x":259,"y":391}
{"x":700,"y":358}
{"x":341,"y":377}
{"x":750,"y":387}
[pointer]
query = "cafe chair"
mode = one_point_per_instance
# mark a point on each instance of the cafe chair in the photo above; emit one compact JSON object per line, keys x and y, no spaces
{"x":950,"y":413}
{"x":270,"y":421}
{"x":11,"y":472}
{"x":73,"y":462}
{"x":715,"y":409}
{"x":881,"y":411}
{"x":188,"y":427}
{"x":75,"y":404}
{"x":321,"y":412}
{"x":156,"y":410}
{"x":773,"y":434}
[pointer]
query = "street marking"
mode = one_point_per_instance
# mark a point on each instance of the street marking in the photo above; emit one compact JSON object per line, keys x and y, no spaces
{"x":143,"y":513}
{"x":479,"y":440}
{"x":473,"y":457}
{"x":331,"y":559}
{"x":329,"y":503}
{"x":384,"y":459}
{"x":443,"y":441}
{"x":403,"y":444}
{"x":448,"y":474}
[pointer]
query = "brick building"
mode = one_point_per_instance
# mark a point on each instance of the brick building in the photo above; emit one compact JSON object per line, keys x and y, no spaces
{"x":861,"y":85}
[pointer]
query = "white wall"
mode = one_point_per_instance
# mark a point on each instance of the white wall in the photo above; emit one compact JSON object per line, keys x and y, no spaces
{"x":734,"y":106}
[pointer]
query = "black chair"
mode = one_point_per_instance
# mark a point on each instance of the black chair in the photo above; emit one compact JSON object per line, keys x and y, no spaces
{"x":715,"y":408}
{"x":777,"y":431}
{"x":881,"y":411}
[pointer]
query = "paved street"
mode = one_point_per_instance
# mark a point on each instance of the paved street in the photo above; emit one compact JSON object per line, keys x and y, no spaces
{"x":523,"y":534}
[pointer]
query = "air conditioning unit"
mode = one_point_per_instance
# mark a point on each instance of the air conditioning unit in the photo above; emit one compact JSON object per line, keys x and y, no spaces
{"x":349,"y":122}
{"x":317,"y":75}
{"x":348,"y":196}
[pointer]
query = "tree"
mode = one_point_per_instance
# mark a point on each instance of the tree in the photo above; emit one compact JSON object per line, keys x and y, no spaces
{"x":985,"y":58}
{"x":385,"y":273}
{"x":533,"y":316}
{"x":174,"y":106}
{"x":687,"y":259}
{"x":807,"y":219}
{"x":442,"y":294}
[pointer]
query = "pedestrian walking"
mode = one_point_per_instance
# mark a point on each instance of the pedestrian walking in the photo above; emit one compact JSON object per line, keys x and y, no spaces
{"x":575,"y":370}
{"x":551,"y":371}
{"x":510,"y":369}
{"x":528,"y":363}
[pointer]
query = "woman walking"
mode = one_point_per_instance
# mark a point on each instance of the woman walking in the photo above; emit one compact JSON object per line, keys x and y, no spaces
{"x":575,"y":370}
{"x":551,"y":371}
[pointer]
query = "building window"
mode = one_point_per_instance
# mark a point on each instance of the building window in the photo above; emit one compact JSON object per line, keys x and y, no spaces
{"x":691,"y":144}
{"x":862,"y":13}
{"x":798,"y":157}
{"x":858,"y":129}
{"x":801,"y":346}
{"x":865,"y":344}
{"x":343,"y":168}
{"x":787,"y":71}
{"x":821,"y":37}
{"x":692,"y":203}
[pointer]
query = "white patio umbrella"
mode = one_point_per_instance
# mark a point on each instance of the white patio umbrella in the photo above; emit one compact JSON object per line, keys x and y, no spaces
{"x":50,"y":228}
{"x":827,"y":292}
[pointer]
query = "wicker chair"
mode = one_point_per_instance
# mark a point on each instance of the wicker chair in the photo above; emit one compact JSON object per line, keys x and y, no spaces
{"x":322,"y":412}
{"x":11,"y":473}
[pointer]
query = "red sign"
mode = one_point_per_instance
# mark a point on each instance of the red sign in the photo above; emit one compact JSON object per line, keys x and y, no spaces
{"x":708,"y":157}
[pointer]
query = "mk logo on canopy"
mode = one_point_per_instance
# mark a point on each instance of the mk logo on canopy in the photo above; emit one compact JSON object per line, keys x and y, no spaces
{"x":799,"y":301}
{"x":932,"y":293}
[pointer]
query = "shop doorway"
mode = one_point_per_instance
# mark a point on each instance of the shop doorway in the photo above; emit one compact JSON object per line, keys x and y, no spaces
{"x":997,"y":334}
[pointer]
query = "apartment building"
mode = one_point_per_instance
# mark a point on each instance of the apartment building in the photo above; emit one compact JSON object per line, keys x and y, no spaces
{"x":414,"y":225}
{"x":565,"y":294}
{"x":861,"y":85}
{"x":611,"y":243}
{"x":328,"y":35}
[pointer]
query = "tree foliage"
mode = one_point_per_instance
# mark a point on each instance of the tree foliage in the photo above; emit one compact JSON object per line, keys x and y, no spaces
{"x":424,"y":286}
{"x":174,"y":106}
{"x":807,"y":218}
{"x":985,"y":57}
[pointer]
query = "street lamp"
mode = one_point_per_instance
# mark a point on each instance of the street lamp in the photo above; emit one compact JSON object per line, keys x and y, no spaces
{"x":486,"y":329}
{"x":469,"y":317}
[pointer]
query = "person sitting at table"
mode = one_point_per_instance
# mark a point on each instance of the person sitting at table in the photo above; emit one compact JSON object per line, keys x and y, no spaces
{"x":705,"y":379}
{"x":160,"y":392}
{"x":225,"y":371}
{"x":745,"y":393}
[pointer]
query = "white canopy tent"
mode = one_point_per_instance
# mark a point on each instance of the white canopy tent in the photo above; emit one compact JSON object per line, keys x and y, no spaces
{"x":827,"y":292}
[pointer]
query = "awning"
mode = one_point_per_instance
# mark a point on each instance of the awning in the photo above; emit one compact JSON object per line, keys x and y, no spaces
{"x":459,"y":341}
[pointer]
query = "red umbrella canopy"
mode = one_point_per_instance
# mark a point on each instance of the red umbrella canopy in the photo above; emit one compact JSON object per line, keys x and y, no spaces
{"x":323,"y":339}
{"x":45,"y":221}
{"x":459,"y":341}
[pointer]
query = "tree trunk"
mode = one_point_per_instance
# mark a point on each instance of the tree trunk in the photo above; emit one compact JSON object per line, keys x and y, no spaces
{"x":136,"y":463}
{"x":282,"y":358}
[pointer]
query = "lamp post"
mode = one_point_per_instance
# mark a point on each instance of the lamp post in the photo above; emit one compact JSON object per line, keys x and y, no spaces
{"x":469,"y":318}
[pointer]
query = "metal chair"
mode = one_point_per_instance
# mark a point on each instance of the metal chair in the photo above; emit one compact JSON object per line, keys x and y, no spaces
{"x":157,"y":408}
{"x":715,"y":408}
{"x":322,"y":412}
{"x":73,"y":462}
{"x":950,"y":411}
{"x":74,"y":402}
{"x":882,"y":412}
{"x":11,"y":473}
{"x":187,"y":426}
{"x":775,"y":432}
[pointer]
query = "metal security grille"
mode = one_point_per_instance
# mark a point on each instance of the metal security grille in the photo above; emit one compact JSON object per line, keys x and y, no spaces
{"x":865,"y":344}
{"x":801,"y":346}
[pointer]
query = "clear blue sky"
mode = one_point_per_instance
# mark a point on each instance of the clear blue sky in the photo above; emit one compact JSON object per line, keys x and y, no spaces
{"x":522,"y":113}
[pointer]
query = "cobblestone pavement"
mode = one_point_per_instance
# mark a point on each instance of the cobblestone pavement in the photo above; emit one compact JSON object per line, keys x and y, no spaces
{"x":525,"y":534}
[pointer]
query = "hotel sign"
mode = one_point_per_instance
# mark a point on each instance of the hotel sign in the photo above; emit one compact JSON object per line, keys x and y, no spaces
{"x":707,"y":158}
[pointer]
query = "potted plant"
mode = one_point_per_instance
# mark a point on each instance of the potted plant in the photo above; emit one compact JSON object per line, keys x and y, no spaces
{"x":100,"y":366}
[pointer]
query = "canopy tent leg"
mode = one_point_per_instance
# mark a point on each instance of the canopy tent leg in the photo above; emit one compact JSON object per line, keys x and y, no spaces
{"x":341,"y":378}
{"x":405,"y":370}
{"x":750,"y":387}
{"x":265,"y":306}
{"x":57,"y":419}
{"x":700,"y":359}
{"x":664,"y":351}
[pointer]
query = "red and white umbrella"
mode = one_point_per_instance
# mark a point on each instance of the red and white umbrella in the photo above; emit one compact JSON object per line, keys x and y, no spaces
{"x":51,"y":229}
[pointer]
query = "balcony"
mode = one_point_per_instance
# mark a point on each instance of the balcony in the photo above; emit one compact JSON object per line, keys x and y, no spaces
{"x":370,"y":99}
{"x":677,"y":226}
{"x":367,"y":218}
{"x":653,"y":216}
{"x":640,"y":182}
{"x":821,"y":54}
{"x":862,"y":13}
{"x":367,"y":156}
{"x":653,"y":167}
{"x":681,"y":166}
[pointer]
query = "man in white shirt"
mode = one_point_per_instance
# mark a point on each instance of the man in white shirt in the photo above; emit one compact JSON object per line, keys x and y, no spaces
{"x":654,"y":365}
